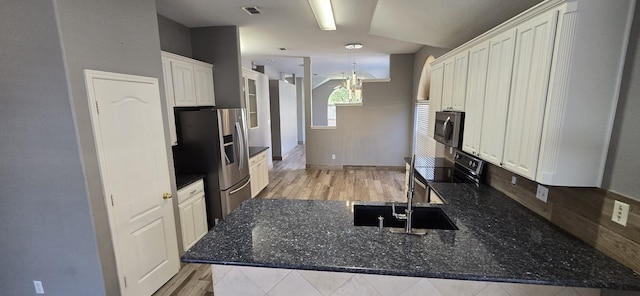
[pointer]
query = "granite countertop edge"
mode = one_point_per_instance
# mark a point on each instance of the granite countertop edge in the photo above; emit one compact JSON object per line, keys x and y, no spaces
{"x":255,"y":150}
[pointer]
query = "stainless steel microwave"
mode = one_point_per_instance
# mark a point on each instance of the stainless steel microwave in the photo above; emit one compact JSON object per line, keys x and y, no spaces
{"x":448,"y":128}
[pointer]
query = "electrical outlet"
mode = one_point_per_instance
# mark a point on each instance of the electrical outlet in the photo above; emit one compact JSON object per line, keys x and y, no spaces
{"x":542,"y":193}
{"x":333,"y":156}
{"x":450,"y":150}
{"x":620,"y":213}
{"x":38,"y":286}
{"x":513,"y":180}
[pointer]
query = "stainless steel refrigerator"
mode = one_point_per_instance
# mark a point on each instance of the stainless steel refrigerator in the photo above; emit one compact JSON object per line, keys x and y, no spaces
{"x":213,"y":142}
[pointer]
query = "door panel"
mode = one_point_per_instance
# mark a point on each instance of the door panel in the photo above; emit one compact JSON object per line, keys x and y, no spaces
{"x":134,"y":168}
{"x":532,"y":63}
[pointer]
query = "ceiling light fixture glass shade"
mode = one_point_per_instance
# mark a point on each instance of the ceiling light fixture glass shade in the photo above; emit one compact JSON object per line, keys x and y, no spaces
{"x":352,"y":83}
{"x":323,"y":12}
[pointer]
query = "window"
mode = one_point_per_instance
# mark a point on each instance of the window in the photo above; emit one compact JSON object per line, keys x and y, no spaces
{"x":341,"y":95}
{"x":424,"y":145}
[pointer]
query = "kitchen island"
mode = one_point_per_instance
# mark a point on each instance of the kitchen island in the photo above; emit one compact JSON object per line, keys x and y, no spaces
{"x":270,"y":246}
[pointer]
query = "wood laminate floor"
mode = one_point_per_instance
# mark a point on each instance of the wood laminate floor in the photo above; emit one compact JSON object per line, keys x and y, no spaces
{"x":290,"y":179}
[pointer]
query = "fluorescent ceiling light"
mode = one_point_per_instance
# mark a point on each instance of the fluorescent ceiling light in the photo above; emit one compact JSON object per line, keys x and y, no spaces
{"x":324,"y":14}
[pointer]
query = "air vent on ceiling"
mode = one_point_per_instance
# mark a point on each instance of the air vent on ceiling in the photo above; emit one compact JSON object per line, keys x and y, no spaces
{"x":252,"y":10}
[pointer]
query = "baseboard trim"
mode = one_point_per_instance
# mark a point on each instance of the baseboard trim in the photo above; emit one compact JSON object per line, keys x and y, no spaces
{"x":356,"y":167}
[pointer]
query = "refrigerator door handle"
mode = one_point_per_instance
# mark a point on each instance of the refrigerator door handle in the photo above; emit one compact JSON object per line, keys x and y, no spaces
{"x":241,"y":153}
{"x":240,"y":188}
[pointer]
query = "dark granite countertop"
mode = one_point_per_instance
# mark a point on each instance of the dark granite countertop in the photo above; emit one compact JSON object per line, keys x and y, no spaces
{"x":255,"y":150}
{"x":498,"y":240}
{"x":184,"y":180}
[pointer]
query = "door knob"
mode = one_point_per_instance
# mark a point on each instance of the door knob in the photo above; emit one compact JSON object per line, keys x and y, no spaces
{"x":166,"y":195}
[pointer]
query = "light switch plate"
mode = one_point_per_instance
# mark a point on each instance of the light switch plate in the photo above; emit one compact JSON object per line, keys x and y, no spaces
{"x":542,"y":193}
{"x":620,"y":213}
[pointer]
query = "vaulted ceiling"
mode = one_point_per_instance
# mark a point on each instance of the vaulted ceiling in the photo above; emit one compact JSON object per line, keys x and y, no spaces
{"x":383,"y":26}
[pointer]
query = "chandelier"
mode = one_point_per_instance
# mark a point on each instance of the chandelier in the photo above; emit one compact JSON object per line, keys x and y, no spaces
{"x":352,"y":83}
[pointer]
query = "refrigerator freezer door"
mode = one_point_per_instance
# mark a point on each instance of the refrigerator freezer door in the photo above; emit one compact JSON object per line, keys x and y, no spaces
{"x":233,"y":197}
{"x":233,"y":136}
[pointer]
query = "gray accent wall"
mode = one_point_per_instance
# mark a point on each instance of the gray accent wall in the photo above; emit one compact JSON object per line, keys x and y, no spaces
{"x":377,"y":133}
{"x":419,"y":58}
{"x":52,"y":207}
{"x":220,"y":46}
{"x":621,"y":173}
{"x":174,"y":37}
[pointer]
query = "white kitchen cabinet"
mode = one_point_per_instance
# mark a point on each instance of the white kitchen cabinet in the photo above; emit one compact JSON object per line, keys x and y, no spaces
{"x":191,"y":80}
{"x":496,"y":99}
{"x":251,"y":97}
{"x":259,"y":172}
{"x":168,"y":90}
{"x":184,"y":86}
{"x":476,"y":82}
{"x":529,"y":81}
{"x":454,"y":82}
{"x":435,"y":95}
{"x":549,"y":103}
{"x":204,"y":85}
{"x":193,"y":213}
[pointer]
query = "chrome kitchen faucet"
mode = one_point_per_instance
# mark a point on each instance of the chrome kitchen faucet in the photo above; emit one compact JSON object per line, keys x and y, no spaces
{"x":408,"y":212}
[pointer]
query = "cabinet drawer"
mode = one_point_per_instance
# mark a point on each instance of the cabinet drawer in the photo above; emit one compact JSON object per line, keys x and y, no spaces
{"x":191,"y":190}
{"x":262,"y":156}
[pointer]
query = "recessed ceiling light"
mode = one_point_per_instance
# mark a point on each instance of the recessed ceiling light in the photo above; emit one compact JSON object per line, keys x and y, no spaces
{"x":252,"y":10}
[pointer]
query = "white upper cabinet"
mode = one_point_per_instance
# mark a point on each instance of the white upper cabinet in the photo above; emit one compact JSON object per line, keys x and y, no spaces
{"x":476,"y":82}
{"x":551,"y":89}
{"x":184,"y":86}
{"x":533,"y":52}
{"x":192,"y":81}
{"x":435,"y":94}
{"x":204,"y":85}
{"x":496,"y":100}
{"x":168,"y":91}
{"x":454,"y":82}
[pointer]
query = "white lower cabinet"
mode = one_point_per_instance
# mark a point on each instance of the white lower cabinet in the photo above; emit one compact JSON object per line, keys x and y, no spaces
{"x":259,"y":172}
{"x":193,"y":213}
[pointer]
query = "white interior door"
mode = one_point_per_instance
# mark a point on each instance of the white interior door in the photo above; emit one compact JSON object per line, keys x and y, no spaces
{"x":130,"y":140}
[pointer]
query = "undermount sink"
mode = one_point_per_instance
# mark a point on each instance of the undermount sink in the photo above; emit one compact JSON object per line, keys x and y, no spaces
{"x":423,"y":217}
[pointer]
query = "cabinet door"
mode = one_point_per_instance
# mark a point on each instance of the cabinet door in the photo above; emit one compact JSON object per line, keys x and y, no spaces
{"x":533,"y":52}
{"x":460,"y":81}
{"x":263,"y":169}
{"x":496,"y":100}
{"x":187,"y":225}
{"x":251,"y":100}
{"x":435,"y":95}
{"x":204,"y":85}
{"x":476,"y":81}
{"x":447,"y":83}
{"x":199,"y":217}
{"x":168,"y":91}
{"x":184,"y":88}
{"x":255,"y":179}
